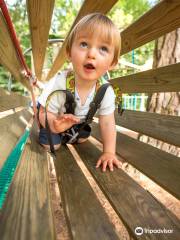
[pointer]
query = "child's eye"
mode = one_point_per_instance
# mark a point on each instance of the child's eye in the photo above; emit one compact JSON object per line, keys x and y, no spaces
{"x":104,"y":49}
{"x":83,"y":44}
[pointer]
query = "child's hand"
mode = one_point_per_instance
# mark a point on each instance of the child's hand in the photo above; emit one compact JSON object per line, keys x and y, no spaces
{"x":64,"y":122}
{"x":108,"y":159}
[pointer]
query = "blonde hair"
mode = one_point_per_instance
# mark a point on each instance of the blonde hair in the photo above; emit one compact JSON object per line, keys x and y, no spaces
{"x":97,"y":23}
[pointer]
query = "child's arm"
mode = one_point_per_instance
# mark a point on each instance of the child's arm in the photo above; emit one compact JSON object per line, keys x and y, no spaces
{"x":108,"y":134}
{"x":57,"y":123}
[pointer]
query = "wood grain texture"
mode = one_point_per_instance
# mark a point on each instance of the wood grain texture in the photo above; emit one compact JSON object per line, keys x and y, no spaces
{"x":88,"y":6}
{"x":162,"y":127}
{"x":85,"y":216}
{"x":12,"y":100}
{"x":163,"y":79}
{"x":39,"y":14}
{"x":12,"y":127}
{"x":161,"y":19}
{"x":161,"y":167}
{"x":27,"y":212}
{"x":8,"y":56}
{"x":134,"y":205}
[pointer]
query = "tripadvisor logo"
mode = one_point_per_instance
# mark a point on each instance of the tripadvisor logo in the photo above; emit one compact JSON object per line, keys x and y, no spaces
{"x":138,"y":231}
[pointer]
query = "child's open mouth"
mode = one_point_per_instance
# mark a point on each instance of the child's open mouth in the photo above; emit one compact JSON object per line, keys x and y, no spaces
{"x":89,"y":66}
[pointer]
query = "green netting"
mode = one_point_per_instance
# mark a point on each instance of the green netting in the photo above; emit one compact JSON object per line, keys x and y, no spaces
{"x":9,"y":167}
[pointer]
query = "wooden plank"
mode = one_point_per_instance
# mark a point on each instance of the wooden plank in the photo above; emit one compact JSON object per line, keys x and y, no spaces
{"x":8,"y":56}
{"x":161,"y":19}
{"x":162,"y":127}
{"x":134,"y":205}
{"x":85,"y":216}
{"x":39,"y":14}
{"x":12,"y":127}
{"x":163,"y":79}
{"x":27,"y":212}
{"x":89,"y":6}
{"x":9,"y":100}
{"x":160,"y":166}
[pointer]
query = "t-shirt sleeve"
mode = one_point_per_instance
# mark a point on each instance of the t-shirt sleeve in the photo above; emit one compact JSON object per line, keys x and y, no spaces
{"x":55,"y":83}
{"x":108,"y":103}
{"x":46,"y":91}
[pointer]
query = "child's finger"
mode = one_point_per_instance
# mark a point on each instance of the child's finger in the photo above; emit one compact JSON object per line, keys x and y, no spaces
{"x":104,"y":166}
{"x":72,"y":118}
{"x":110,"y":166}
{"x":117,"y":163}
{"x":98,"y":163}
{"x":69,"y":115}
{"x":76,"y":120}
{"x":58,"y":121}
{"x":64,"y":116}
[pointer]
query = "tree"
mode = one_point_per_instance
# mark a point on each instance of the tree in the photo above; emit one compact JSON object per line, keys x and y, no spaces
{"x":123,"y":14}
{"x":167,"y":51}
{"x":18,"y":15}
{"x":64,"y":14}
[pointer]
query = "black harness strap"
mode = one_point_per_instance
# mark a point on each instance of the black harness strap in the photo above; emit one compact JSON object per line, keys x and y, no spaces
{"x":49,"y":134}
{"x":70,"y":103}
{"x":96,"y":103}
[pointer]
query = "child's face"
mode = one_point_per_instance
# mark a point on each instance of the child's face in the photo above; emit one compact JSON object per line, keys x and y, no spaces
{"x":91,"y":56}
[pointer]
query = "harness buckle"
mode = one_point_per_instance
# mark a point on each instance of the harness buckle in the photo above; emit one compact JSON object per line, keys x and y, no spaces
{"x":73,"y":136}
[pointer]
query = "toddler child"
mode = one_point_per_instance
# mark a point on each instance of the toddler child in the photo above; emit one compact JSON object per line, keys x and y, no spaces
{"x":93,"y":48}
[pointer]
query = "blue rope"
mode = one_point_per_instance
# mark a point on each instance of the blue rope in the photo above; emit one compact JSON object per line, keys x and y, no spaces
{"x":8,"y":170}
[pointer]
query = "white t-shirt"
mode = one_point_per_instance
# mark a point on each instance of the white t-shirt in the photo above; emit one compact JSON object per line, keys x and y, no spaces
{"x":56,"y":104}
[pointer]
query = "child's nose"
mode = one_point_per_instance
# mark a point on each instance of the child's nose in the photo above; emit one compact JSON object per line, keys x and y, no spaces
{"x":92,"y":53}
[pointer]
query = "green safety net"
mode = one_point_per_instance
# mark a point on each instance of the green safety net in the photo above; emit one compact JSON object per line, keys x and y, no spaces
{"x":9,"y":167}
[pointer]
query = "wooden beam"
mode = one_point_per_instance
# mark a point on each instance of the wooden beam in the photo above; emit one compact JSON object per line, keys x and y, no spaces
{"x":12,"y":100}
{"x":27,"y":212}
{"x":88,"y":6}
{"x":162,"y":127}
{"x":12,"y":127}
{"x":161,"y":19}
{"x":133,"y":204}
{"x":8,"y":56}
{"x":82,"y":218}
{"x":160,"y":166}
{"x":163,"y":79}
{"x":39,"y":14}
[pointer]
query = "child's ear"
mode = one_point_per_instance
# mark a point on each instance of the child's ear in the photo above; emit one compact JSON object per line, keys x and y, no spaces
{"x":113,"y":65}
{"x":68,"y":56}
